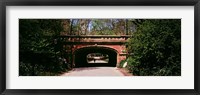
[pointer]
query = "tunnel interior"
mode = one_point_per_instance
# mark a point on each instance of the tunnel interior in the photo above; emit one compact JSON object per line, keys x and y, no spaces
{"x":95,"y":56}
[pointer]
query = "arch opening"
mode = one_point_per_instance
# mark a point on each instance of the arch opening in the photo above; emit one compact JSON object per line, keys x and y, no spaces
{"x":95,"y":56}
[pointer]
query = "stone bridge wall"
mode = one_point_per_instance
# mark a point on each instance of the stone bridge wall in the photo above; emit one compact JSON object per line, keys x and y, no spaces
{"x":109,"y":41}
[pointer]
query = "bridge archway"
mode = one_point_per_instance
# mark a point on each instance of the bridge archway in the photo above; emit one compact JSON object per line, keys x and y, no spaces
{"x":80,"y":56}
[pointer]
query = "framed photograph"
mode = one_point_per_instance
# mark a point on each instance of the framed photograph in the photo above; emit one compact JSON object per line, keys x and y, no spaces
{"x":99,"y":47}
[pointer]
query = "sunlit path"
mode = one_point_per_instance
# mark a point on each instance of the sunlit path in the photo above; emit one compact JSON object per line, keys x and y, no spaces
{"x":97,"y":61}
{"x":94,"y":71}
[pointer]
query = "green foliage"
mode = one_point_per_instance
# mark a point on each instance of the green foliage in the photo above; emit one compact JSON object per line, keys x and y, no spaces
{"x":121,"y":63}
{"x":39,"y":47}
{"x":105,"y":32}
{"x":156,"y":48}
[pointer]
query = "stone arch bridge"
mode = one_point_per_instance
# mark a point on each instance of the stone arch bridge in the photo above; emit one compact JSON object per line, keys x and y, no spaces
{"x":80,"y":46}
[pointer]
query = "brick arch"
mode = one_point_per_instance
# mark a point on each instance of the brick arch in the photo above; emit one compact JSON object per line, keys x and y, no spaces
{"x":114,"y":42}
{"x":82,"y":52}
{"x":98,"y":46}
{"x":116,"y":48}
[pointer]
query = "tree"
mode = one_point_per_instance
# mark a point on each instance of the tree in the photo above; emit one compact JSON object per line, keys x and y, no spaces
{"x":40,"y":47}
{"x":156,"y":47}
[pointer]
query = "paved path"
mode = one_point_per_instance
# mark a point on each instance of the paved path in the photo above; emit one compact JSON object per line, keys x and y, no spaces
{"x":98,"y":61}
{"x":94,"y":71}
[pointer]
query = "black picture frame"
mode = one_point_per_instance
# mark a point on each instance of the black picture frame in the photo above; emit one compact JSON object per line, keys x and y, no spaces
{"x":4,"y":3}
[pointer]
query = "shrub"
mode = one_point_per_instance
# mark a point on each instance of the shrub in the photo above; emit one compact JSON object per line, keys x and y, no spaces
{"x":121,"y":63}
{"x":156,"y":48}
